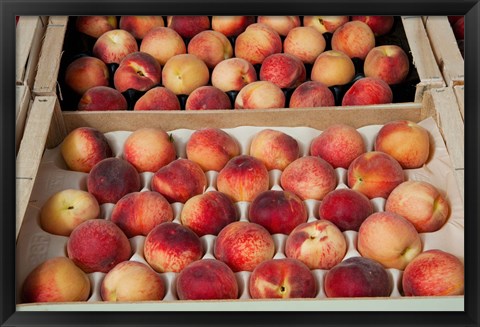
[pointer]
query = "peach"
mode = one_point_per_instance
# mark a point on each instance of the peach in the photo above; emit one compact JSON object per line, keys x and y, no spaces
{"x":98,"y":245}
{"x":387,"y":62}
{"x":233,"y":74}
{"x":206,"y":279}
{"x":333,"y":68}
{"x":149,"y":149}
{"x":257,"y":42}
{"x":354,"y":38}
{"x":434,"y":273}
{"x":304,"y":42}
{"x":132,"y":281}
{"x":243,"y":245}
{"x":138,"y":71}
{"x":389,"y":239}
{"x":346,"y":208}
{"x":158,"y":98}
{"x":260,"y":95}
{"x":112,"y":46}
{"x":339,"y":144}
{"x":274,"y":148}
{"x":170,"y":247}
{"x":325,"y":24}
{"x":375,"y":174}
{"x":83,"y":148}
{"x":57,"y":279}
{"x":163,"y":43}
{"x":357,"y":277}
{"x":311,"y":94}
{"x":278,"y":211}
{"x":421,"y":203}
{"x":459,"y":28}
{"x":86,"y":72}
{"x":184,"y":73}
{"x":179,"y":180}
{"x":188,"y":26}
{"x":208,"y":213}
{"x":102,"y":98}
{"x":367,"y":91}
{"x":137,"y":213}
{"x":211,"y":148}
{"x":111,"y":179}
{"x":309,"y":177}
{"x":380,"y":25}
{"x":139,"y":26}
{"x":319,"y":244}
{"x":95,"y":26}
{"x":406,"y":141}
{"x":67,"y":209}
{"x":210,"y":46}
{"x":282,"y":278}
{"x":243,"y":178}
{"x":281,"y":24}
{"x":283,"y":69}
{"x":207,"y":97}
{"x":231,"y":25}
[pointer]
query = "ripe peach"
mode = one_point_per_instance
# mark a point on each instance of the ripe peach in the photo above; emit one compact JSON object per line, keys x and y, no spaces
{"x":281,"y":24}
{"x":231,"y":25}
{"x":243,"y":245}
{"x":207,"y":97}
{"x":354,"y":38}
{"x":137,"y":213}
{"x":210,"y":46}
{"x":101,"y":98}
{"x":260,"y":95}
{"x":163,"y":43}
{"x":459,"y":28}
{"x":188,"y":26}
{"x":380,"y":25}
{"x":158,"y":98}
{"x":95,"y":26}
{"x":243,"y":178}
{"x":311,"y":94}
{"x":387,"y":62}
{"x":86,"y":72}
{"x":139,"y":26}
{"x":304,"y":42}
{"x":139,"y":71}
{"x":325,"y":24}
{"x":333,"y":68}
{"x":112,"y":46}
{"x":98,"y":245}
{"x":367,"y":91}
{"x":257,"y":42}
{"x":233,"y":74}
{"x":184,"y":73}
{"x":309,"y":177}
{"x":283,"y":69}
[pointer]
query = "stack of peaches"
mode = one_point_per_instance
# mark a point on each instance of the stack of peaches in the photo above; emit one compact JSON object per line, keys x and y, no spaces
{"x":232,"y":62}
{"x":262,"y":213}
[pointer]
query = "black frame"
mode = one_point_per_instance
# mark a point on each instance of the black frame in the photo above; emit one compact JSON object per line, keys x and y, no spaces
{"x":10,"y":8}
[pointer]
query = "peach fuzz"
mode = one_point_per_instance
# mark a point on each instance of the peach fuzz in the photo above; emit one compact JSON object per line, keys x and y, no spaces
{"x":354,"y":38}
{"x":86,"y":72}
{"x":233,"y":74}
{"x":112,"y":46}
{"x":83,"y":148}
{"x":260,"y":95}
{"x":311,"y":94}
{"x":421,"y":203}
{"x":179,"y":180}
{"x":139,"y":26}
{"x":207,"y":97}
{"x":309,"y":177}
{"x":282,"y":278}
{"x":434,"y":273}
{"x":375,"y":174}
{"x":170,"y":247}
{"x":274,"y":148}
{"x":184,"y":73}
{"x":163,"y":43}
{"x":95,"y":26}
{"x":149,"y":149}
{"x":380,"y":25}
{"x":98,"y":245}
{"x":208,"y":213}
{"x":243,"y":178}
{"x":137,"y":213}
{"x":207,"y":279}
{"x":102,"y":98}
{"x":406,"y":141}
{"x":366,"y":91}
{"x":339,"y":145}
{"x":283,"y":69}
{"x":111,"y":179}
{"x":325,"y":24}
{"x":333,"y":68}
{"x":243,"y":245}
{"x":56,"y":279}
{"x":278,"y":211}
{"x":132,"y":281}
{"x":304,"y":42}
{"x":188,"y":26}
{"x":387,"y":62}
{"x":319,"y":244}
{"x":257,"y":42}
{"x":139,"y":71}
{"x":211,"y":148}
{"x":281,"y":24}
{"x":210,"y":46}
{"x":158,"y":98}
{"x":231,"y":25}
{"x":389,"y":239}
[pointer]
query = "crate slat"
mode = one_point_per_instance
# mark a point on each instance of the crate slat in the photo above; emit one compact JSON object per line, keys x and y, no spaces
{"x":459,"y":93}
{"x":23,"y":101}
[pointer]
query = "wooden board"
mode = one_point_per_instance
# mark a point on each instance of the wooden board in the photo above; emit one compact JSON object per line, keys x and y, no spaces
{"x":460,"y":94}
{"x":23,"y":101}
